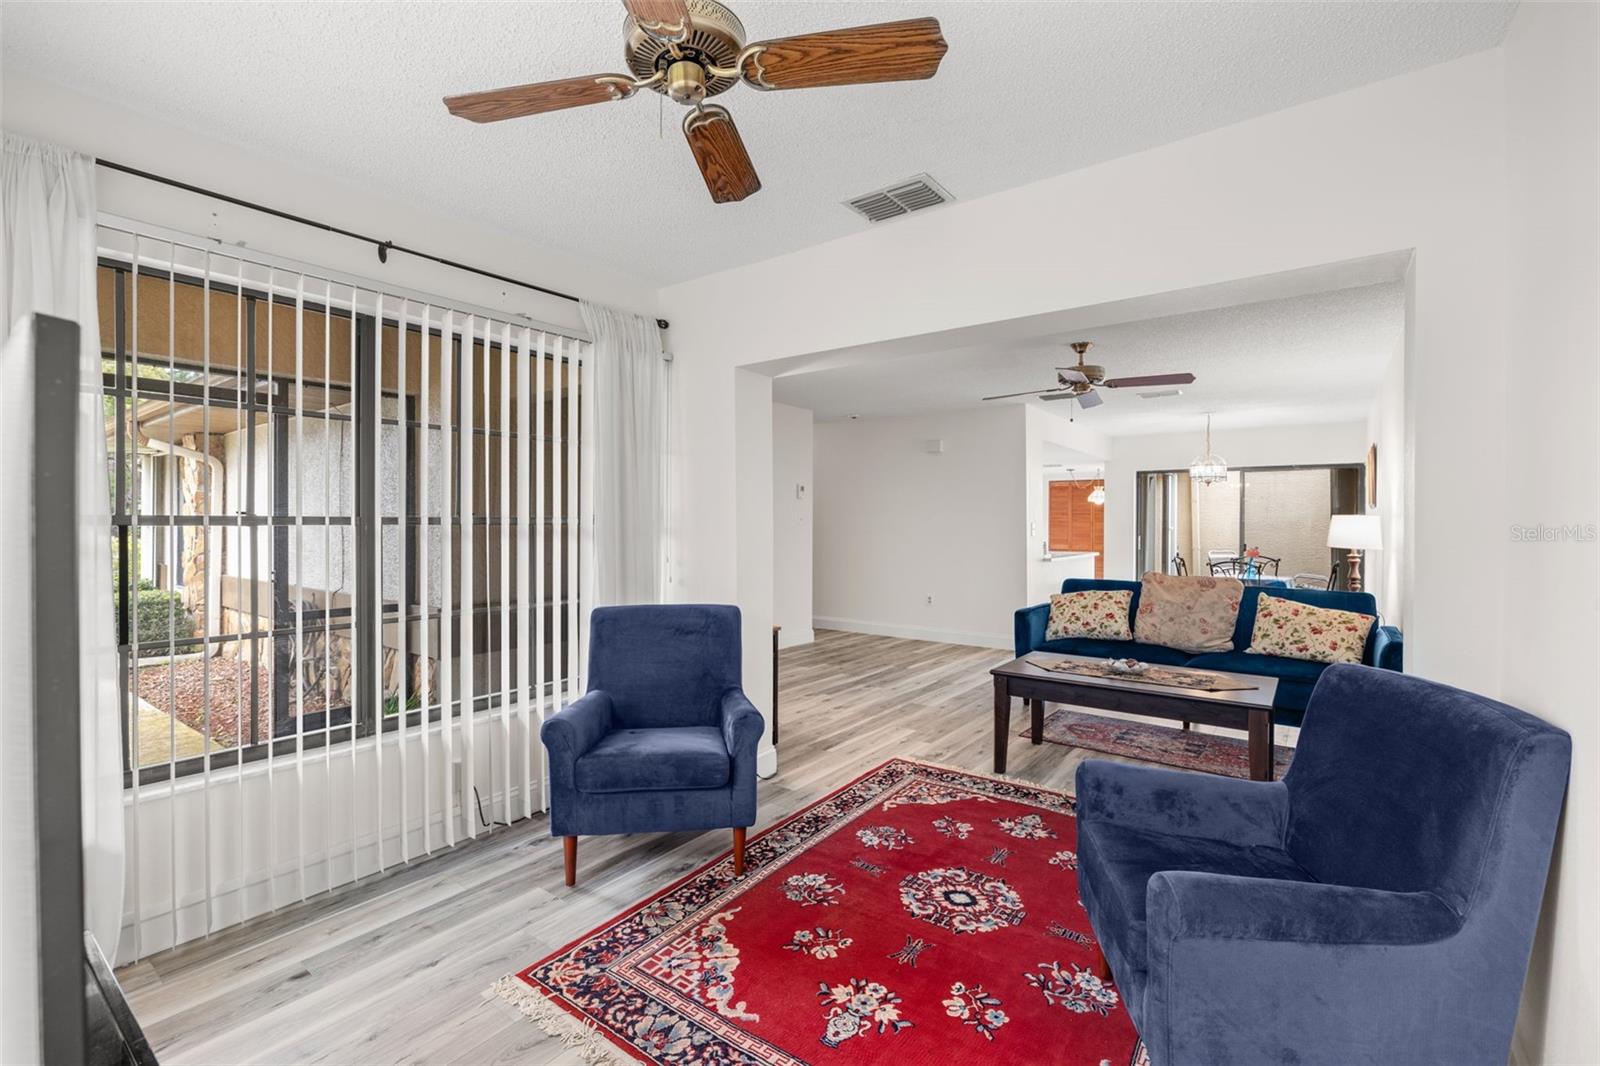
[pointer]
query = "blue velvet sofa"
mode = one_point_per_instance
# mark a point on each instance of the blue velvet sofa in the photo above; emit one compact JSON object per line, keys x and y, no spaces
{"x":1296,"y":677}
{"x":1377,"y":905}
{"x":664,"y":739}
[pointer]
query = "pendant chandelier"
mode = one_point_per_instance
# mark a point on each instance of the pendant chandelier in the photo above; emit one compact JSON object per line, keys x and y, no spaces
{"x":1097,"y":495}
{"x":1097,"y":486}
{"x":1210,"y":467}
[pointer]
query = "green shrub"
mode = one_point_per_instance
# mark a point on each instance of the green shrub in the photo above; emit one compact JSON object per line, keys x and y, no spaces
{"x":391,"y":704}
{"x":162,"y":616}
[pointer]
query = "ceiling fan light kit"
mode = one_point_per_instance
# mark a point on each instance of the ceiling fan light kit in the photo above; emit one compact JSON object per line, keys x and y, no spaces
{"x":691,"y":50}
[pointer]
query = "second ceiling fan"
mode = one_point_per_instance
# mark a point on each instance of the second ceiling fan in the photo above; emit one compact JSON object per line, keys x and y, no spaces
{"x":689,"y":50}
{"x":1079,"y":382}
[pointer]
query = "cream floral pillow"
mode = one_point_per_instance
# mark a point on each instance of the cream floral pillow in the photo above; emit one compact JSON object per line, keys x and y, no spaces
{"x":1301,"y":631}
{"x":1100,"y":614}
{"x":1192,"y":614}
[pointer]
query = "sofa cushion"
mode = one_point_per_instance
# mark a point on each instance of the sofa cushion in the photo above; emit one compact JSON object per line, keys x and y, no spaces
{"x":647,"y":760}
{"x":1092,"y":584}
{"x":1117,"y":649}
{"x":1115,"y":864}
{"x":1305,"y":631}
{"x":1193,"y":614}
{"x":1097,"y":614}
{"x":1338,"y":599}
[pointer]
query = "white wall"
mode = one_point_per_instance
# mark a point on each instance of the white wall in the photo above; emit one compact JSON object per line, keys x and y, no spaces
{"x":1046,"y":575}
{"x":1418,"y":163}
{"x":105,"y":130}
{"x":1286,"y":191}
{"x":1553,"y":467}
{"x":1384,"y":570}
{"x":753,"y":558}
{"x":791,"y":523}
{"x":1047,"y":434}
{"x":1342,"y":442}
{"x":897,"y":526}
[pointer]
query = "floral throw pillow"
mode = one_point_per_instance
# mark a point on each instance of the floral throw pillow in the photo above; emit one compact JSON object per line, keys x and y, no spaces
{"x":1192,"y":614}
{"x":1301,"y":631}
{"x":1099,"y":614}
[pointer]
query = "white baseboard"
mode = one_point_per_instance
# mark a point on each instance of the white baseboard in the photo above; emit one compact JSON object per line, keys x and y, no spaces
{"x":766,"y":761}
{"x":794,"y":637}
{"x":939,"y":636}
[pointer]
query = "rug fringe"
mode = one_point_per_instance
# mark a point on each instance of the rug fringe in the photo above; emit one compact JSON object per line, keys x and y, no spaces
{"x":582,"y":1037}
{"x":1006,"y":778}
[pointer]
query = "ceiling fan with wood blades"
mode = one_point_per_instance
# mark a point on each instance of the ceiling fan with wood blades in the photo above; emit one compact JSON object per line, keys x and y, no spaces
{"x":690,"y":50}
{"x":1078,"y":382}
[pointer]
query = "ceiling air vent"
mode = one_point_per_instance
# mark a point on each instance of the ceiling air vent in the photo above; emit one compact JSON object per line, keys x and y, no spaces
{"x":902,"y":199}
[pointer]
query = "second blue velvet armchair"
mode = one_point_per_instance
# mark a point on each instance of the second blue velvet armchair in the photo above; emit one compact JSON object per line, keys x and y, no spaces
{"x":664,"y":740}
{"x":1377,"y":905}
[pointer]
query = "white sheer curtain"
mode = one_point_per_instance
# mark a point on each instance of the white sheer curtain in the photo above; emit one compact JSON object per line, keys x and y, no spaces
{"x":630,"y":455}
{"x":47,"y":265}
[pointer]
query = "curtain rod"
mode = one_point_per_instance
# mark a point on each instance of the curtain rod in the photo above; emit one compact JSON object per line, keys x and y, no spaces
{"x":384,"y":247}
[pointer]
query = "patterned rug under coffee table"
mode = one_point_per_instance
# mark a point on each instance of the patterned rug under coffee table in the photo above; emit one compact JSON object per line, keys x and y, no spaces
{"x":917,"y":915}
{"x":1186,"y":749}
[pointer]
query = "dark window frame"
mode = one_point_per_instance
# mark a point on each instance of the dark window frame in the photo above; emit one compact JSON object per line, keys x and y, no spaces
{"x":365,"y":718}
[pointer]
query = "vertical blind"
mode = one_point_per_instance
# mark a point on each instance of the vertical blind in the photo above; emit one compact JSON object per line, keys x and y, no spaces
{"x":350,"y":573}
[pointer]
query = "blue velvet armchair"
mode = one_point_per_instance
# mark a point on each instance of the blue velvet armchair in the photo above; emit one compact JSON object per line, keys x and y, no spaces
{"x":664,"y":740}
{"x":1376,"y":905}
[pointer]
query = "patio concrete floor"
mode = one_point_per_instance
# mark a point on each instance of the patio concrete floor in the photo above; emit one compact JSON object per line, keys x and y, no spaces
{"x":156,"y":735}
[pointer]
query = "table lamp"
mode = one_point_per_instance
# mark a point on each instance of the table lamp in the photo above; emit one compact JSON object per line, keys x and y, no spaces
{"x":1355,"y":533}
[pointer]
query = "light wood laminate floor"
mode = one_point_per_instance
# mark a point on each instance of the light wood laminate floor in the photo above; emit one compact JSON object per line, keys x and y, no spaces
{"x":394,"y":970}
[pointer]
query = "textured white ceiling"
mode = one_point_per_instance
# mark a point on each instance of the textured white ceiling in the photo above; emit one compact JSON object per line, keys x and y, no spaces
{"x":1028,"y":90}
{"x":1316,"y":358}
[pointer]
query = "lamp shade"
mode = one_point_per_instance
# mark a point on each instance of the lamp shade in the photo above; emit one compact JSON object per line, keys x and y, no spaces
{"x":1355,"y":531}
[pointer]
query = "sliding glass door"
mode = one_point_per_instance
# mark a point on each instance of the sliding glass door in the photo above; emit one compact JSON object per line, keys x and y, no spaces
{"x":1185,"y":526}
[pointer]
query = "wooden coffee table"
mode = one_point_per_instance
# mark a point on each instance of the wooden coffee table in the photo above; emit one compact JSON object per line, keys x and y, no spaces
{"x":1246,"y":709}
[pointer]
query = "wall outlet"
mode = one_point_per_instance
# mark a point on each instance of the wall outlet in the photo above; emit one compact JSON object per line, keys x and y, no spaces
{"x":930,"y":601}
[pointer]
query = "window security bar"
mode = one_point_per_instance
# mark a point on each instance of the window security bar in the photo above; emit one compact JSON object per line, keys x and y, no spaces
{"x":351,"y":572}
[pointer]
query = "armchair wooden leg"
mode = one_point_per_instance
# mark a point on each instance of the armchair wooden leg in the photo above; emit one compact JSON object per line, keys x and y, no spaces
{"x":738,"y":851}
{"x":569,"y":851}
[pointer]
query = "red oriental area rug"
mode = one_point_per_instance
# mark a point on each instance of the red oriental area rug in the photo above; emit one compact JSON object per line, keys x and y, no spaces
{"x":917,"y":915}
